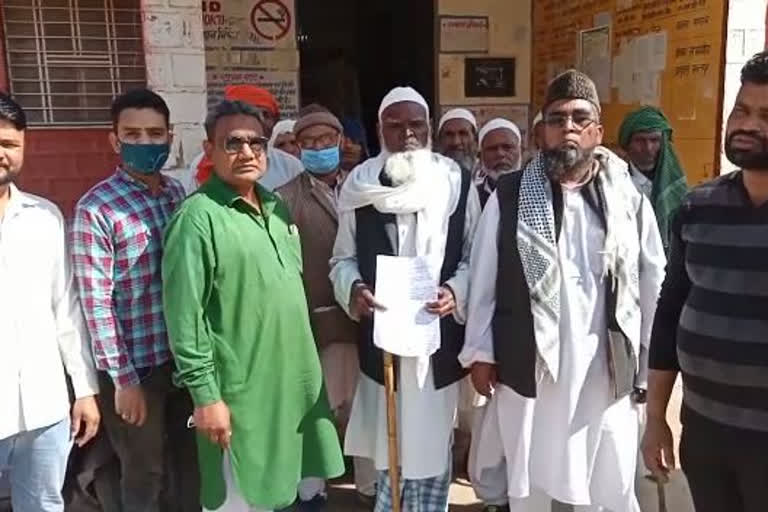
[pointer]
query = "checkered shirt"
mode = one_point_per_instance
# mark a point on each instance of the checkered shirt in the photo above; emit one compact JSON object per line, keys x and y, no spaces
{"x":427,"y":495}
{"x":116,"y":240}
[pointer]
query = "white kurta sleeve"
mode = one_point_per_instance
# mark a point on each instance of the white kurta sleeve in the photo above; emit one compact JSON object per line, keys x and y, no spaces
{"x":652,"y":263}
{"x":459,"y":283}
{"x":344,"y":271}
{"x":483,"y":265}
{"x":71,"y":333}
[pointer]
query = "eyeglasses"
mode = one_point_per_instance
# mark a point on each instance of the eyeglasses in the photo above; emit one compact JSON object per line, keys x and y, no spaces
{"x":581,"y":120}
{"x":321,"y":141}
{"x":235,"y":144}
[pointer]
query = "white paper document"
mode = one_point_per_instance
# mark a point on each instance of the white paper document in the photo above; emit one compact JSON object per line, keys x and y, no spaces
{"x":404,"y":286}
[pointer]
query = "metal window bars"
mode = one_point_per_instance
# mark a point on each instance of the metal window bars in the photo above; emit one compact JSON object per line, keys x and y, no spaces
{"x":67,"y":59}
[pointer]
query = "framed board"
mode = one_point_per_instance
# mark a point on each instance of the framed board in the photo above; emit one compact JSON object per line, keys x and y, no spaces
{"x":491,"y":77}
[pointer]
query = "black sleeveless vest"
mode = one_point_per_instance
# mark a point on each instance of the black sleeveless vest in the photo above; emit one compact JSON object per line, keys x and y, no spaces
{"x":514,"y":339}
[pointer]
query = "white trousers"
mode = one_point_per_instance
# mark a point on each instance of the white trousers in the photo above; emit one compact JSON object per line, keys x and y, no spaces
{"x":365,"y":476}
{"x":234,"y":501}
{"x":540,"y":502}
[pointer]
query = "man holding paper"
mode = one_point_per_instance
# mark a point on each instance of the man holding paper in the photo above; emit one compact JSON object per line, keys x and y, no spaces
{"x":411,"y":203}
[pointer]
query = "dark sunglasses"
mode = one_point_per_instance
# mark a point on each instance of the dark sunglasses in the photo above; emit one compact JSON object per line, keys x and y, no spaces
{"x":234,"y":145}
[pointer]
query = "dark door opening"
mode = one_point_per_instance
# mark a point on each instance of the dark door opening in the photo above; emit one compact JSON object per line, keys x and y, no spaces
{"x":352,"y":53}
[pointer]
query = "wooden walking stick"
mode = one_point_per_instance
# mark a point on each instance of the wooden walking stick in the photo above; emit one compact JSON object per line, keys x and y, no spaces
{"x":394,"y":459}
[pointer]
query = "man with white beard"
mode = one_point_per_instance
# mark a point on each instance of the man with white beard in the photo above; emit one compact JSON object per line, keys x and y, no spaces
{"x":500,"y":153}
{"x":565,"y":271}
{"x":407,"y":201}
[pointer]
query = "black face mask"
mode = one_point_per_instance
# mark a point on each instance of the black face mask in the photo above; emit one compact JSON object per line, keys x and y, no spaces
{"x":755,"y":159}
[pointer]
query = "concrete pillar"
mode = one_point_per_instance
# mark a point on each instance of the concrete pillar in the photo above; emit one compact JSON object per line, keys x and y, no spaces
{"x":175,"y":59}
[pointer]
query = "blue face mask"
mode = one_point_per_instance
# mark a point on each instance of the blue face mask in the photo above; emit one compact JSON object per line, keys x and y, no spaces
{"x":321,"y":161}
{"x":144,"y":158}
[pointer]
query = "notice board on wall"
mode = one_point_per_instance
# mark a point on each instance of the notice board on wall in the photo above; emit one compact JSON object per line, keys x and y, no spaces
{"x":667,"y":53}
{"x":252,"y":42}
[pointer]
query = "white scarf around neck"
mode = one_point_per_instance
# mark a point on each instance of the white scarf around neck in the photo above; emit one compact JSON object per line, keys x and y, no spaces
{"x":432,"y":195}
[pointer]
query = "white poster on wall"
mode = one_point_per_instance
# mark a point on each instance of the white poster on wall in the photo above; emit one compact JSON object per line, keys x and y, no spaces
{"x":252,"y":42}
{"x":284,"y":85}
{"x":595,"y":58}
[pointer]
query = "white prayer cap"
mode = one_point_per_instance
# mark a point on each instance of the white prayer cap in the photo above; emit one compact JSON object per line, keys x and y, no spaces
{"x":281,"y":127}
{"x":401,"y":94}
{"x":457,"y":113}
{"x":495,"y":124}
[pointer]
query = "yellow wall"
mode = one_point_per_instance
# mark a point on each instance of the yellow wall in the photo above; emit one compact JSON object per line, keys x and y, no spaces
{"x":689,"y":85}
{"x":509,"y":36}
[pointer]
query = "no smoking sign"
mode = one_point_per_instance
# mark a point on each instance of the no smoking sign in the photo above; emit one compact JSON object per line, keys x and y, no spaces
{"x":271,"y":19}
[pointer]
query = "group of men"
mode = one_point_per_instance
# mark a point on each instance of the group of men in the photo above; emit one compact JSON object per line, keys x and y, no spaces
{"x":245,"y":312}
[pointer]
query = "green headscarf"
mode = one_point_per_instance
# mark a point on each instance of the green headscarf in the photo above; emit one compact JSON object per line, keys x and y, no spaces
{"x":669,"y":186}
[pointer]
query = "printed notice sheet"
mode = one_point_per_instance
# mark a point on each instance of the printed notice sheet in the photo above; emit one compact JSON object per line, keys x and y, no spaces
{"x":404,"y":286}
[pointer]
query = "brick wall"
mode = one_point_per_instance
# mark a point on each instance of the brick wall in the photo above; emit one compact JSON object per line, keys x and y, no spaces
{"x":61,"y":165}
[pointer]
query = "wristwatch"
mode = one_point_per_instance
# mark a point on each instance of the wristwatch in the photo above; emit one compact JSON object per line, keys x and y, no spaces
{"x":639,"y":396}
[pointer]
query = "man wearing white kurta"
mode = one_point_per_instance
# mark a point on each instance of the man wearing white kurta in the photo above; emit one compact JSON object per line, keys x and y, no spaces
{"x":566,"y":269}
{"x":407,"y":201}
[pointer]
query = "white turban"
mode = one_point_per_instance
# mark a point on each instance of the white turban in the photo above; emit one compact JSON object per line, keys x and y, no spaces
{"x":281,"y":127}
{"x":401,"y":94}
{"x":457,"y":113}
{"x":495,"y":124}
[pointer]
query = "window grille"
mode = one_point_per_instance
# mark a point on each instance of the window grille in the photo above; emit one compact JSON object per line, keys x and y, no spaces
{"x":68,"y":59}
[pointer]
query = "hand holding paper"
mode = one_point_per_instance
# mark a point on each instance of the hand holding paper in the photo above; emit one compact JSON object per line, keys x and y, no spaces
{"x":445,"y":304}
{"x":404,"y":286}
{"x":362,"y":301}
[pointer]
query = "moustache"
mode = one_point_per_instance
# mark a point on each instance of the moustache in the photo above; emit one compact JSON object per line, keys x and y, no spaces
{"x":504,"y":165}
{"x":756,"y":136}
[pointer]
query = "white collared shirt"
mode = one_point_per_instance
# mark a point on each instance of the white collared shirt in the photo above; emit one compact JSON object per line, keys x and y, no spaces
{"x":41,"y":324}
{"x":642,"y":183}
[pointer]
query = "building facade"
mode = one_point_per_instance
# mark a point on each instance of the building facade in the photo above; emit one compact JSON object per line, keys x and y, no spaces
{"x":65,"y":60}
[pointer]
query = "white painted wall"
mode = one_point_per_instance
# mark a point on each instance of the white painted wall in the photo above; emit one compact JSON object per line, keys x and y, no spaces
{"x":175,"y":59}
{"x":746,"y":37}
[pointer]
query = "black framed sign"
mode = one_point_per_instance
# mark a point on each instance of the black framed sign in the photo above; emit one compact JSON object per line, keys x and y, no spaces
{"x":489,"y":77}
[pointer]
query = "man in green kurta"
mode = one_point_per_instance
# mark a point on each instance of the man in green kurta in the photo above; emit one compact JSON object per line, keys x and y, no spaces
{"x":239,"y":329}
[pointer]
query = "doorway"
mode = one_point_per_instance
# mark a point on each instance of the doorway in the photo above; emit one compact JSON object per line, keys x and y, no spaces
{"x":352,"y":53}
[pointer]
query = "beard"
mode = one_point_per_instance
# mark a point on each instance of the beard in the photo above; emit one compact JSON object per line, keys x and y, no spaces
{"x":645,"y":166}
{"x":7,"y":175}
{"x":498,"y":170}
{"x":464,"y":159}
{"x":401,"y":168}
{"x":750,"y":159}
{"x":567,"y":162}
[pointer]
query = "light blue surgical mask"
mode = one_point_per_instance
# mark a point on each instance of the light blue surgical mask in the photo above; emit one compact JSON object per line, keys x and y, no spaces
{"x":321,"y":161}
{"x":144,"y":158}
